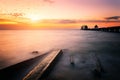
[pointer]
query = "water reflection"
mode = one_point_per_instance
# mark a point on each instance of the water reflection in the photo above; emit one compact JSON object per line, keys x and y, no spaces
{"x":16,"y":46}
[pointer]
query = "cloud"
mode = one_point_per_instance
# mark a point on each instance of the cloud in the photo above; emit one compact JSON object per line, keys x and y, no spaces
{"x":13,"y":21}
{"x":7,"y":20}
{"x":12,"y":14}
{"x":2,"y":20}
{"x":113,"y":18}
{"x":67,"y":21}
{"x":74,"y":21}
{"x":17,"y":14}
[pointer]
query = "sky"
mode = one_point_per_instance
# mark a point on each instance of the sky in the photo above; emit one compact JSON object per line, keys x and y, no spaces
{"x":60,"y":14}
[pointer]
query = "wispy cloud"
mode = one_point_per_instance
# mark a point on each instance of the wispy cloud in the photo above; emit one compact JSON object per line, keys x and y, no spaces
{"x":113,"y":18}
{"x":14,"y":21}
{"x":3,"y":20}
{"x":73,"y":21}
{"x":13,"y":14}
{"x":17,"y":14}
{"x":67,"y":21}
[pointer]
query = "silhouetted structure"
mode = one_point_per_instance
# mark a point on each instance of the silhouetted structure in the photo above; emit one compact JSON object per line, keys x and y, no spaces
{"x":96,"y":27}
{"x":84,"y":27}
{"x":111,"y":29}
{"x":106,"y":29}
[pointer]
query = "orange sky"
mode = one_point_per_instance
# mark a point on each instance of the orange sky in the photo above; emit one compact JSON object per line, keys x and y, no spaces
{"x":58,"y":14}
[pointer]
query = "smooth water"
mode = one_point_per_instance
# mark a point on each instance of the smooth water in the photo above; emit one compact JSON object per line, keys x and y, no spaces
{"x":17,"y":46}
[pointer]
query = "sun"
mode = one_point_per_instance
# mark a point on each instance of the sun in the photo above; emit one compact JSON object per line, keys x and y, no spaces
{"x":34,"y":18}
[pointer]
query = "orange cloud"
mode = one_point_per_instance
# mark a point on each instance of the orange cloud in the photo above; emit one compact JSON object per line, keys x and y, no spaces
{"x":24,"y":23}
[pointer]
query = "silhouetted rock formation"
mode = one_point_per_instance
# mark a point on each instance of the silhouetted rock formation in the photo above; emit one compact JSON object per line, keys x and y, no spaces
{"x":84,"y":27}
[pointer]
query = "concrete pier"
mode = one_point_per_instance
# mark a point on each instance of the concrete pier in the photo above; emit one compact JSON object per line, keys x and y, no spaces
{"x":32,"y":69}
{"x":38,"y":71}
{"x":115,"y":29}
{"x":20,"y":70}
{"x":111,"y":29}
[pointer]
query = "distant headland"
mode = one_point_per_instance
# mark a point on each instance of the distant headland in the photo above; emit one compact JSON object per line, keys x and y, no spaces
{"x":106,"y":29}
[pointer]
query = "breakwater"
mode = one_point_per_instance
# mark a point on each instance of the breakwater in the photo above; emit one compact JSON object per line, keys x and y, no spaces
{"x":32,"y":69}
{"x":115,"y":29}
{"x":43,"y":67}
{"x":110,"y":29}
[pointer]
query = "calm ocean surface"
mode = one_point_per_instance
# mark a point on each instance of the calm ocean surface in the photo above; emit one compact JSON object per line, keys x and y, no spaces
{"x":17,"y":45}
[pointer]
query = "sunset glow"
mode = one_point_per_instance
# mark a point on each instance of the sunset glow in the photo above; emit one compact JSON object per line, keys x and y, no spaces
{"x":34,"y":18}
{"x":60,"y":13}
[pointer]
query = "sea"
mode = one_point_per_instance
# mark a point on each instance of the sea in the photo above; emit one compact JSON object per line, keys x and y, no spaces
{"x":17,"y":46}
